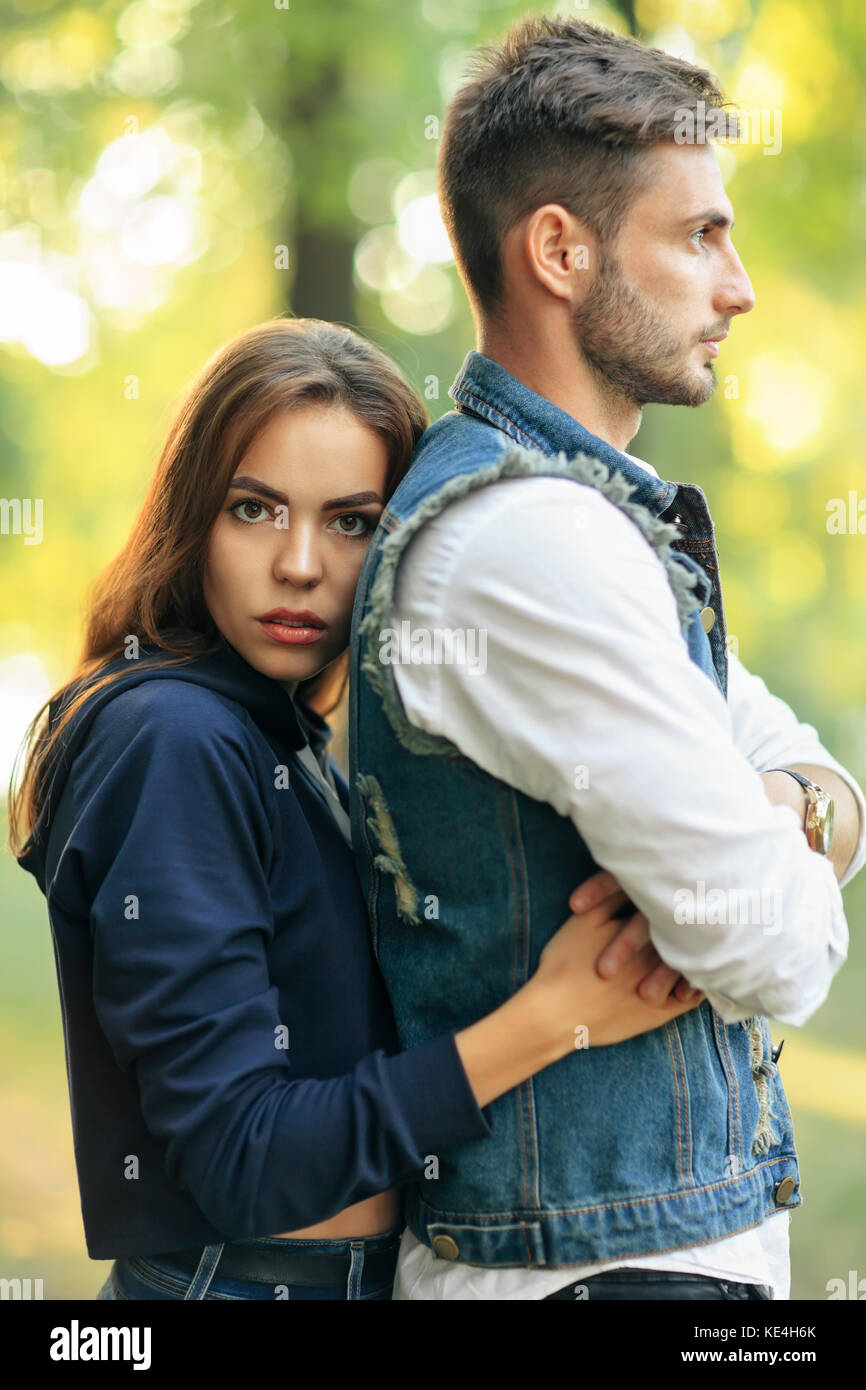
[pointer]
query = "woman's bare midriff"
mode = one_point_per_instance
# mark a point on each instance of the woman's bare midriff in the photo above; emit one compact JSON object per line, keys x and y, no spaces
{"x":372,"y":1217}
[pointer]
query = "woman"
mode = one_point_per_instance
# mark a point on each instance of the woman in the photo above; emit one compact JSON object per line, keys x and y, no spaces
{"x":242,"y":1119}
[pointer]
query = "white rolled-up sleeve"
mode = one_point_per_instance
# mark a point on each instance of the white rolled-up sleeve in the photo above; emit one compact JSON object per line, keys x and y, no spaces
{"x":769,"y":734}
{"x":587,"y":698}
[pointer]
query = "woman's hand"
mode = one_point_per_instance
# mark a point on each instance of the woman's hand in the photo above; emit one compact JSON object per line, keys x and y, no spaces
{"x":595,"y":1009}
{"x":632,"y":936}
{"x":569,"y":1002}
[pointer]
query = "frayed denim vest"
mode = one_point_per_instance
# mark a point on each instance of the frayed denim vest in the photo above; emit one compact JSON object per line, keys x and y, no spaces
{"x":677,"y":1137}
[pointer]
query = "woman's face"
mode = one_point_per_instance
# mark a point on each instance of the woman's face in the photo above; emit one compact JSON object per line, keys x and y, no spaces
{"x":286,"y":550}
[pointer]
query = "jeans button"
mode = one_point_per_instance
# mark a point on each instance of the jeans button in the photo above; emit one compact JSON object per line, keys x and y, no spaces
{"x":785,"y":1190}
{"x":708,"y":619}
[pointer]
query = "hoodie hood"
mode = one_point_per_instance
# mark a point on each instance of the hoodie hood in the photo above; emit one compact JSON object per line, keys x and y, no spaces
{"x":225,"y":671}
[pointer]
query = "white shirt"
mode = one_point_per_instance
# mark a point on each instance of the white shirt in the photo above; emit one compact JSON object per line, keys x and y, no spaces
{"x":579,"y":691}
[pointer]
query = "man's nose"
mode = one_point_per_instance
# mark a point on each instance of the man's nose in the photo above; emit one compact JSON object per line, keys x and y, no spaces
{"x":737,"y":297}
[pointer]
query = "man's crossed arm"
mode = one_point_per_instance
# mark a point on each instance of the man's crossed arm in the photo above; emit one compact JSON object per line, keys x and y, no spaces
{"x":586,"y":670}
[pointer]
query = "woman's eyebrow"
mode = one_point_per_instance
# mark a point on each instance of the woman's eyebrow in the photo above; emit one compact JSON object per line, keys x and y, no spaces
{"x":355,"y":499}
{"x":253,"y":485}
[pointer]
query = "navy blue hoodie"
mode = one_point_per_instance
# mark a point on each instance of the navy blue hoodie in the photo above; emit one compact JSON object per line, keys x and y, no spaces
{"x":230,"y":1049}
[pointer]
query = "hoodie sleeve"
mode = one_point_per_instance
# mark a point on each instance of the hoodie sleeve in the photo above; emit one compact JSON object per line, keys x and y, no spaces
{"x":173,"y":843}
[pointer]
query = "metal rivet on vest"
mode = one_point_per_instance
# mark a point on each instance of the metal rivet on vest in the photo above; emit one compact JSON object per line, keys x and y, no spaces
{"x":785,"y":1190}
{"x":446,"y":1247}
{"x":708,"y":619}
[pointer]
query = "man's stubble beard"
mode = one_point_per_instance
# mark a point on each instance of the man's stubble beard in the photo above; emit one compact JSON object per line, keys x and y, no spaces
{"x":630,"y":348}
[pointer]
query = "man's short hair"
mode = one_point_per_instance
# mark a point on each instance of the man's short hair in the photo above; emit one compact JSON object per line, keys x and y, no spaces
{"x":559,"y":112}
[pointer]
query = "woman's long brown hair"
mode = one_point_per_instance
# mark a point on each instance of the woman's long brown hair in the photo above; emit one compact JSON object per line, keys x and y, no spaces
{"x":152,"y":590}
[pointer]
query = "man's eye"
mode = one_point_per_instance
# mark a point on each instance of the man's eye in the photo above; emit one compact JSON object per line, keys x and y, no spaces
{"x":249,"y":502}
{"x":701,"y":232}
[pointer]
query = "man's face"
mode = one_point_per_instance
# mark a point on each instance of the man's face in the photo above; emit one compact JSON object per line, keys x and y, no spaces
{"x":672,"y":280}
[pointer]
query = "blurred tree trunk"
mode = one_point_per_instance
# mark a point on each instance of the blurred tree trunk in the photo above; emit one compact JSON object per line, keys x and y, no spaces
{"x":322,"y":284}
{"x":322,"y":287}
{"x":627,"y":10}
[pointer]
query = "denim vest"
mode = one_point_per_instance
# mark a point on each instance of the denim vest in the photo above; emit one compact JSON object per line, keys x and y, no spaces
{"x":677,"y":1137}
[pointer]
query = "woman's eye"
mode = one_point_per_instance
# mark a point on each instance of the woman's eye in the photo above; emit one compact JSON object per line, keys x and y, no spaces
{"x":249,"y":502}
{"x":353,"y":525}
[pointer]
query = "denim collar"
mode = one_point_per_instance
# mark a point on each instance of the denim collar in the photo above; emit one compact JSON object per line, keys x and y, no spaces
{"x":483,"y":388}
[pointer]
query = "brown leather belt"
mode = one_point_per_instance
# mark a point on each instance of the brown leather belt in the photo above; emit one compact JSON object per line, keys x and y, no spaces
{"x":311,"y":1268}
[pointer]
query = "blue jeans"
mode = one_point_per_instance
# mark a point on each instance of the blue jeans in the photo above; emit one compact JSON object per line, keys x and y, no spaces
{"x":157,"y":1277}
{"x":622,"y":1285}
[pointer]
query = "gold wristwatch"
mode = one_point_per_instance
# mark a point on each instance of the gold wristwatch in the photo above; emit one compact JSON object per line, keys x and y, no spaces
{"x":819,"y":812}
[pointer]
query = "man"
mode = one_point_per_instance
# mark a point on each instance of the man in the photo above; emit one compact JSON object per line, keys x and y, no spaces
{"x":541,"y":686}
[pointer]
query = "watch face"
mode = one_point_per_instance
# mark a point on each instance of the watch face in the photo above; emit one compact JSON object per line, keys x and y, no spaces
{"x":827,"y":829}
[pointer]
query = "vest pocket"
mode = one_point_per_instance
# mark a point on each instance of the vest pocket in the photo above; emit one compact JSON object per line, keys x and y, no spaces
{"x":707,"y":1066}
{"x":683,"y":1103}
{"x":734,"y":1154}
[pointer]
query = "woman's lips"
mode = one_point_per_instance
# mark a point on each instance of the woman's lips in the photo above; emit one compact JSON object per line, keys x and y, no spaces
{"x":290,"y":636}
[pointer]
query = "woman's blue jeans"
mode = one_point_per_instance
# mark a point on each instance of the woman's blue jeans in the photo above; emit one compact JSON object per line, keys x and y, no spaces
{"x":156,"y":1277}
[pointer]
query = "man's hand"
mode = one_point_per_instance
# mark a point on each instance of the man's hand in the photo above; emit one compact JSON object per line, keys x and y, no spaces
{"x":660,"y":981}
{"x":602,"y":888}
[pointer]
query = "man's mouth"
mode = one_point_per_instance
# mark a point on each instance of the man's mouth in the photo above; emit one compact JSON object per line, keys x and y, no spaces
{"x":712,"y":344}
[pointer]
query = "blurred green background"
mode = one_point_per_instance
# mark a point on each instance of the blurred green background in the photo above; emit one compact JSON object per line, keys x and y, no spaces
{"x":173,"y":171}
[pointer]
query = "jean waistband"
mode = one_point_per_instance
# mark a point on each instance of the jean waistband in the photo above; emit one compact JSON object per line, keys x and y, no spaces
{"x":318,"y":1263}
{"x":383,"y":1241}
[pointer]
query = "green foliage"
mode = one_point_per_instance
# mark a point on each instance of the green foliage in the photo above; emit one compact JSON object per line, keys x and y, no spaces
{"x":275,"y":120}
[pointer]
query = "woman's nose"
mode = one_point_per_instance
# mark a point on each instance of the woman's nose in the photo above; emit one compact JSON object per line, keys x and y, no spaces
{"x":298,"y":559}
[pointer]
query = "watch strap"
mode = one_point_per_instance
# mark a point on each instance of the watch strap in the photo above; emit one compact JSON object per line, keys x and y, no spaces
{"x":817,"y":802}
{"x":798,"y":777}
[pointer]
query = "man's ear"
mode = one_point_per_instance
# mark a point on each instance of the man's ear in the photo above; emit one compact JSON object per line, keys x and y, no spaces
{"x":558,"y":250}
